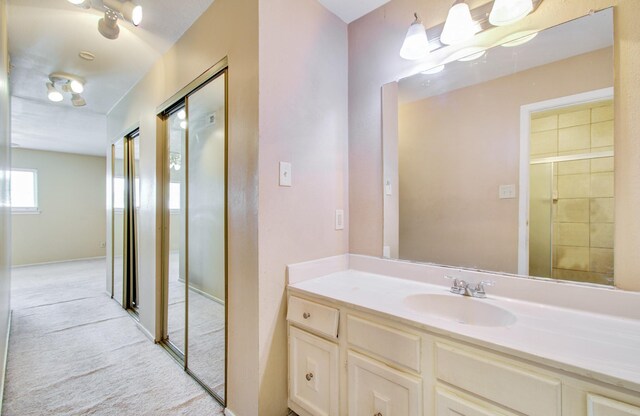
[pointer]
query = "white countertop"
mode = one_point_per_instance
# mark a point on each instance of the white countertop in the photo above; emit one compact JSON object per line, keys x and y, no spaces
{"x":596,"y":346}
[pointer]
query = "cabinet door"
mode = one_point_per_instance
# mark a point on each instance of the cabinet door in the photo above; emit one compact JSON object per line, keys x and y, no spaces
{"x":451,"y":403}
{"x":313,"y":373}
{"x":602,"y":406}
{"x":377,"y":390}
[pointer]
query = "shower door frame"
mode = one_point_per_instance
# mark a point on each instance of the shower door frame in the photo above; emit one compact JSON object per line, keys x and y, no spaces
{"x":178,"y":99}
{"x":525,"y":133}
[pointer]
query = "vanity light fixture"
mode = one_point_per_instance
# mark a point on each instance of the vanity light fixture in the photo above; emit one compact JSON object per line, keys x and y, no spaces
{"x":506,"y":12}
{"x":459,"y":26}
{"x":416,"y":43}
{"x":434,"y":70}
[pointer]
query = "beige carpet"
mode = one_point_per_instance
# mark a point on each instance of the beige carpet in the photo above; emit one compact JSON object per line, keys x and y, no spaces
{"x":74,"y":351}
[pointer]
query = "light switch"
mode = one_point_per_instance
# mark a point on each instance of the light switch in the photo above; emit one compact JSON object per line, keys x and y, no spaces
{"x":387,"y":187}
{"x":339,"y":219}
{"x":285,"y":174}
{"x":507,"y":192}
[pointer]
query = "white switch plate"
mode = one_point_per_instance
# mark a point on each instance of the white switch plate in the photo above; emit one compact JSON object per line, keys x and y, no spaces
{"x":339,"y":219}
{"x":507,"y":191}
{"x":285,"y":174}
{"x":387,"y":187}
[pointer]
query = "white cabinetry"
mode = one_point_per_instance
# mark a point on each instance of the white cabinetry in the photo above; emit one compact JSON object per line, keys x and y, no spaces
{"x":377,"y":390}
{"x":602,"y":406}
{"x":376,"y":366}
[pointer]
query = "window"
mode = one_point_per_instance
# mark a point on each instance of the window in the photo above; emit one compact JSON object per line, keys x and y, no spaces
{"x":24,"y":190}
{"x":174,"y":196}
{"x":118,"y":193}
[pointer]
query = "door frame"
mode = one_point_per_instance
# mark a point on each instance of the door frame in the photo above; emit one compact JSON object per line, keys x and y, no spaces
{"x":525,"y":133}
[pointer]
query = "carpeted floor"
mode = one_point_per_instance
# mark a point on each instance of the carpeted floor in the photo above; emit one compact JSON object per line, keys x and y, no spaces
{"x":74,"y":351}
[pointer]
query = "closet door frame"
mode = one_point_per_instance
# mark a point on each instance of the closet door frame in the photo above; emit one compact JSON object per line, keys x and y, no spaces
{"x":163,"y":112}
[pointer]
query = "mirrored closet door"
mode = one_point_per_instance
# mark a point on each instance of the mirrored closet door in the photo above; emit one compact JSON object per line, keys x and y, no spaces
{"x":125,"y":185}
{"x":195,"y":233}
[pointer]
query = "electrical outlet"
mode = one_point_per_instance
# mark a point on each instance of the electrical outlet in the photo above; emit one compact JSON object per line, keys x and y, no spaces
{"x":285,"y":174}
{"x":339,"y":219}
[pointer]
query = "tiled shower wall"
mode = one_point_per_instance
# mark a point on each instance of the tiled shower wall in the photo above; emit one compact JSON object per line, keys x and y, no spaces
{"x":582,"y":212}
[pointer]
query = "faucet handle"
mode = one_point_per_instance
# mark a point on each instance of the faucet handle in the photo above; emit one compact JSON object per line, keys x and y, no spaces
{"x":458,"y":286}
{"x":479,"y":291}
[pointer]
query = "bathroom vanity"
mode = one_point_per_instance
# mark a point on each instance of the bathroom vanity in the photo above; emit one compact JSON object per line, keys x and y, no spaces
{"x":370,"y":336}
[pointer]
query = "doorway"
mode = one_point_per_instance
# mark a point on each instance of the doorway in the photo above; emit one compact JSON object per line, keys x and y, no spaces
{"x":195,"y":231}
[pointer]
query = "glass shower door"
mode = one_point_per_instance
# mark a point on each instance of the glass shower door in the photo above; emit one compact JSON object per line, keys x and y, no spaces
{"x":540,"y":219}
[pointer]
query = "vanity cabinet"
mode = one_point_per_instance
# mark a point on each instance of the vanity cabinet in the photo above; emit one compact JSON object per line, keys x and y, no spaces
{"x":349,"y":362}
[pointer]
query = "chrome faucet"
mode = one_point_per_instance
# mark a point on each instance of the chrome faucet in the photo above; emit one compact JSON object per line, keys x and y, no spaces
{"x":464,"y":288}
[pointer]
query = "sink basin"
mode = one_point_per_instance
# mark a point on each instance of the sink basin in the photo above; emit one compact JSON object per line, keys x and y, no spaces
{"x":461,"y":309}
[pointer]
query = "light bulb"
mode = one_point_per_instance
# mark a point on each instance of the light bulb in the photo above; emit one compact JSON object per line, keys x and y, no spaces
{"x":459,"y":26}
{"x":53,"y":94}
{"x":506,"y":12}
{"x":416,"y":43}
{"x":76,"y":86}
{"x":136,"y":15}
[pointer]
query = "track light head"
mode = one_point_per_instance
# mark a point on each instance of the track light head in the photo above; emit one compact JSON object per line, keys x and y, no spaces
{"x":130,"y":12}
{"x":85,"y":4}
{"x":77,"y":100}
{"x":53,"y":94}
{"x":108,"y":25}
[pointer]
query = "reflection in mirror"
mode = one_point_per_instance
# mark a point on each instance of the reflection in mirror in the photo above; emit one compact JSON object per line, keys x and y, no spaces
{"x":505,"y":161}
{"x":117,"y":209}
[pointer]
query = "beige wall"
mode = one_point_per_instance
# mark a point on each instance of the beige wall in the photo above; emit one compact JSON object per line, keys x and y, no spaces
{"x":71,"y":201}
{"x":303,"y":120}
{"x":228,"y":28}
{"x":374,"y":42}
{"x":456,"y":149}
{"x":5,"y":214}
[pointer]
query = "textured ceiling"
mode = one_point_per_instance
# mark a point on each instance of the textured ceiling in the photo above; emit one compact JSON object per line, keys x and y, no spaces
{"x":46,"y":36}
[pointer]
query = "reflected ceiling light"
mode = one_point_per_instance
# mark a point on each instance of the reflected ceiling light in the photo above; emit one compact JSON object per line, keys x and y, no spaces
{"x":131,"y":12}
{"x":506,"y":12}
{"x":85,"y":4}
{"x":182,"y":114}
{"x":108,"y":25}
{"x":53,"y":94}
{"x":433,"y":70}
{"x":77,"y":100}
{"x":459,"y":26}
{"x":416,"y":43}
{"x":183,"y":124}
{"x":519,"y":38}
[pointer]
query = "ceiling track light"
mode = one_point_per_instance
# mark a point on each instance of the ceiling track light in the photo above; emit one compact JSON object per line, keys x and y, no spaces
{"x":85,"y":4}
{"x":504,"y":11}
{"x":61,"y":82}
{"x":131,"y":12}
{"x":108,"y":25}
{"x":113,"y":10}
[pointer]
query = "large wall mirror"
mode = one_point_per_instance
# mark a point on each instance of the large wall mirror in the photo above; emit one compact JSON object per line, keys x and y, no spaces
{"x":505,"y":157}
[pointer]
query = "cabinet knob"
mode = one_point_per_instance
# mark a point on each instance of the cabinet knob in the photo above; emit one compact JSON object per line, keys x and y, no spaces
{"x":309,"y":376}
{"x":306,"y":315}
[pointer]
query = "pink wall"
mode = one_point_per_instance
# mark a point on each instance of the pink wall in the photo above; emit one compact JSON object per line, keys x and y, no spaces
{"x":457,"y":148}
{"x":303,"y":120}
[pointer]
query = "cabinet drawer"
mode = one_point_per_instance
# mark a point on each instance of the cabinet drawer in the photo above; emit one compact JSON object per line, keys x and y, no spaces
{"x":498,"y":380}
{"x":602,"y":406}
{"x":455,"y":403}
{"x":398,"y":347}
{"x":375,"y":389}
{"x":313,"y":373}
{"x":314,"y":316}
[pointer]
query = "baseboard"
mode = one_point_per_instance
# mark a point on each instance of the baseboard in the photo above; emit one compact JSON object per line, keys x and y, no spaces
{"x":228,"y":412}
{"x":144,"y":331}
{"x":4,"y":360}
{"x":200,"y":292}
{"x":58,"y":261}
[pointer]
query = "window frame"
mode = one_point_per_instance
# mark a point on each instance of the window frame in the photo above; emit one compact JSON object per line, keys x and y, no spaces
{"x":26,"y":210}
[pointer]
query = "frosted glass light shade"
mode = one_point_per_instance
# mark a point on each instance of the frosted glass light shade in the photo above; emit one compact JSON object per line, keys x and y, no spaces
{"x":506,"y":12}
{"x":459,"y":26}
{"x":53,"y":94}
{"x":416,"y":43}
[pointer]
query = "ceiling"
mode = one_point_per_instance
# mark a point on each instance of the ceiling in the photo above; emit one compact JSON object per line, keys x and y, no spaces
{"x":350,"y":10}
{"x":576,"y":37}
{"x":46,"y":36}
